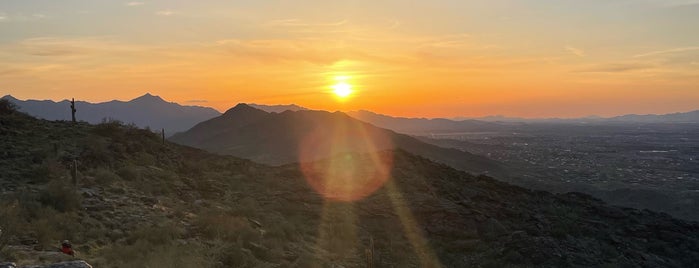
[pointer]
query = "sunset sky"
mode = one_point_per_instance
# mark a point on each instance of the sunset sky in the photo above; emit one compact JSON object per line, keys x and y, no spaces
{"x":405,"y":58}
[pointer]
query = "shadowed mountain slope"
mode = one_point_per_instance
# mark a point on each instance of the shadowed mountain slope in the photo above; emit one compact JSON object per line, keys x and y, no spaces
{"x":281,"y":138}
{"x":139,"y":202}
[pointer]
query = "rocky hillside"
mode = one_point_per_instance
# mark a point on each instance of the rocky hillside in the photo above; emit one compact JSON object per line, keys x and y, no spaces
{"x":139,"y":202}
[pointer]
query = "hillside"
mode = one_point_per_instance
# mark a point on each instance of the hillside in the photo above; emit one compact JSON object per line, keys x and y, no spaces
{"x":144,"y":111}
{"x":143,"y":203}
{"x":288,"y":137}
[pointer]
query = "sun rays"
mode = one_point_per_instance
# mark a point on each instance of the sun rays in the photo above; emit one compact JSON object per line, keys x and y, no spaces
{"x":360,"y":163}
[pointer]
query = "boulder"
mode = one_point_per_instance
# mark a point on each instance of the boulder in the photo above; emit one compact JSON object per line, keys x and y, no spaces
{"x":8,"y":265}
{"x":68,"y":264}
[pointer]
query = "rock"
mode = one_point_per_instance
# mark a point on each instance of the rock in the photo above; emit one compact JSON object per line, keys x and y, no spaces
{"x":68,"y":264}
{"x":8,"y":265}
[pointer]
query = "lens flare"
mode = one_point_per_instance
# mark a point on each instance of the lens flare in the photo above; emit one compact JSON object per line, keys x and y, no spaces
{"x":355,"y":163}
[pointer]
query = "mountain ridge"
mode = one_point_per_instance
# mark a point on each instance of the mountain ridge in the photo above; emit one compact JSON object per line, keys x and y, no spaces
{"x":145,"y":111}
{"x":277,"y":138}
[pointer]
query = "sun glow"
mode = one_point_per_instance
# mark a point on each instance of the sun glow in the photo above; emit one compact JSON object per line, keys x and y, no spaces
{"x":342,"y":89}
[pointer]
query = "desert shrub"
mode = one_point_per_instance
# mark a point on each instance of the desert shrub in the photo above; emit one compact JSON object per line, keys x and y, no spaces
{"x":176,"y":256}
{"x":10,"y":222}
{"x":51,"y":226}
{"x":60,"y":195}
{"x":45,"y":232}
{"x":129,"y":172}
{"x":144,"y":159}
{"x":48,"y":169}
{"x":156,"y":235}
{"x":154,"y":246}
{"x":104,"y":176}
{"x":234,"y":255}
{"x":109,"y":127}
{"x":96,"y":153}
{"x":214,"y":225}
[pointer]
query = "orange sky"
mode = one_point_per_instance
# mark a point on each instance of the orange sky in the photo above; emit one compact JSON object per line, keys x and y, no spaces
{"x":436,"y":59}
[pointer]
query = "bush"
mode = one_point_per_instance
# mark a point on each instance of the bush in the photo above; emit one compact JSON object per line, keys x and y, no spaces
{"x":214,"y":225}
{"x":129,"y":172}
{"x":10,"y":222}
{"x":104,"y":176}
{"x":61,"y":196}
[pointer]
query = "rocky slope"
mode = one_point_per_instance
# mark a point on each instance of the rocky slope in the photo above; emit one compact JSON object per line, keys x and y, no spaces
{"x":143,"y":203}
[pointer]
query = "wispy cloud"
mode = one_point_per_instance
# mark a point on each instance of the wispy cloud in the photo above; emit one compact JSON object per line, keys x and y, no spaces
{"x":300,"y":23}
{"x":21,"y":17}
{"x":197,"y":101}
{"x":135,"y":4}
{"x":167,"y":12}
{"x":615,"y":68}
{"x":674,"y":3}
{"x":575,"y":51}
{"x":667,"y":51}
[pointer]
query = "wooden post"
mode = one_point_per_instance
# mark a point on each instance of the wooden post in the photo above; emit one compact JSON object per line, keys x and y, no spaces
{"x":163,"y":136}
{"x":72,"y":109}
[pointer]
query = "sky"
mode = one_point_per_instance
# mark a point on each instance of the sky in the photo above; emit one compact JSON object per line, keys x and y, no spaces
{"x":406,"y":58}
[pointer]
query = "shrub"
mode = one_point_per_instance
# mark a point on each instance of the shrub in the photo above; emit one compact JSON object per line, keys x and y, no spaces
{"x":61,"y":196}
{"x":104,"y":176}
{"x":214,"y":225}
{"x":129,"y":172}
{"x":10,"y":222}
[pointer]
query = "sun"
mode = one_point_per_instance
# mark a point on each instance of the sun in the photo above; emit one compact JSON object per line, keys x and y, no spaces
{"x":342,"y":89}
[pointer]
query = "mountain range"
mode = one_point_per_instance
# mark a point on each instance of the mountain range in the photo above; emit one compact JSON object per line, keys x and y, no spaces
{"x":683,"y":117}
{"x":304,"y":135}
{"x":145,"y":111}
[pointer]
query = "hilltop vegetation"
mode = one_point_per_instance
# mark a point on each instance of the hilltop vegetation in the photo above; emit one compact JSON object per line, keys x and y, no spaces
{"x":139,"y":202}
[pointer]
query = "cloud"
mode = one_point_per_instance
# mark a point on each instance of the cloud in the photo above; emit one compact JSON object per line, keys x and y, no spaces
{"x":673,"y":3}
{"x":166,"y":12}
{"x":197,"y":101}
{"x":616,"y":68}
{"x":134,"y":4}
{"x":575,"y":51}
{"x":21,"y":17}
{"x":300,"y":23}
{"x":667,"y":51}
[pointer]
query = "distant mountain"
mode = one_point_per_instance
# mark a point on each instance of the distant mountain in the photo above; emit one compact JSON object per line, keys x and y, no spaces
{"x":300,"y":136}
{"x":687,"y":117}
{"x":422,"y":126}
{"x":277,"y":108}
{"x":144,"y":111}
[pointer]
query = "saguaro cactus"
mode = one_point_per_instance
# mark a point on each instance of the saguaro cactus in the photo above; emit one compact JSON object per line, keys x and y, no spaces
{"x":370,"y":254}
{"x":72,"y":108}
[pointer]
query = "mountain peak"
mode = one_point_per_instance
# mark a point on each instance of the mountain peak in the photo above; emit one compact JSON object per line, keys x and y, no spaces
{"x":9,"y":97}
{"x":148,"y":97}
{"x":242,"y":107}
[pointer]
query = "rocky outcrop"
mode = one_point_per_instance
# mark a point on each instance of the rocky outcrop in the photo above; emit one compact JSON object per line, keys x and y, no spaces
{"x":68,"y":264}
